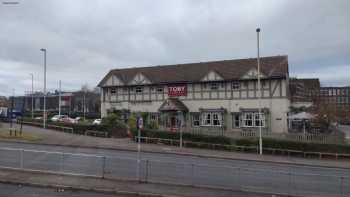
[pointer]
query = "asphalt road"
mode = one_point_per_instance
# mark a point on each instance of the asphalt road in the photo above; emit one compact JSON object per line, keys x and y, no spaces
{"x":252,"y":175}
{"x":9,"y":190}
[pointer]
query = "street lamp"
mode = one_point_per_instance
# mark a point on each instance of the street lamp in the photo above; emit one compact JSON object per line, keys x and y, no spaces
{"x":59,"y":99}
{"x":44,"y":116}
{"x":259,"y":90}
{"x":32,"y":95}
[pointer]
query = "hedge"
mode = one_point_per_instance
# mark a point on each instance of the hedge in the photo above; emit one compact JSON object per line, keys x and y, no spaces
{"x":80,"y":128}
{"x":185,"y":136}
{"x":249,"y":142}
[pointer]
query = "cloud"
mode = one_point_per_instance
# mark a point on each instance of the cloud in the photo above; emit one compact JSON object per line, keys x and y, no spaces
{"x":86,"y":39}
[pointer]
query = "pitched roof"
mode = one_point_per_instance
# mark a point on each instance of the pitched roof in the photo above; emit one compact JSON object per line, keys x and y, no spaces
{"x":273,"y":66}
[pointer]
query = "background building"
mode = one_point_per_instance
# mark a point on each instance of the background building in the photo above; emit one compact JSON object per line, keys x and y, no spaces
{"x":212,"y":96}
{"x":72,"y":103}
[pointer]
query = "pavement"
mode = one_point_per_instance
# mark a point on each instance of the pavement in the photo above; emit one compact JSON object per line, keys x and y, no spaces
{"x":15,"y":183}
{"x":52,"y":137}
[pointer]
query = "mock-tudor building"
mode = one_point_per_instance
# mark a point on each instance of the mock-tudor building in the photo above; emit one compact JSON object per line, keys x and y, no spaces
{"x":206,"y":96}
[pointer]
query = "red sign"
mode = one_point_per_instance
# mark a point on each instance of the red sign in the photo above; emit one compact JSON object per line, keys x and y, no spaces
{"x":178,"y":90}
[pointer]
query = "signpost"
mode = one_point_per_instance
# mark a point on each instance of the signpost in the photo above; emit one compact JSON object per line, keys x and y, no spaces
{"x":139,"y":124}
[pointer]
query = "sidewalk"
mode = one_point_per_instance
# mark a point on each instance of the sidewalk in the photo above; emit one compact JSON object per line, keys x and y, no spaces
{"x":124,"y":188}
{"x":51,"y":137}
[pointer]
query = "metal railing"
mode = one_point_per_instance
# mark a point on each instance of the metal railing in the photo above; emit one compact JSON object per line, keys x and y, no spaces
{"x":253,"y":149}
{"x":192,"y":174}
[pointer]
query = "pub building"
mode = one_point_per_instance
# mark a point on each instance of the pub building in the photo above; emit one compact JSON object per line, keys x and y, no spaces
{"x":215,"y":96}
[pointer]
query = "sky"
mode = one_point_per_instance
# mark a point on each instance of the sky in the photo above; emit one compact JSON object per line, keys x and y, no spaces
{"x":85,"y":39}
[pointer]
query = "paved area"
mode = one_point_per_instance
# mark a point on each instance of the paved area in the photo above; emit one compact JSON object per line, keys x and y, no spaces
{"x":59,"y":138}
{"x":18,"y":190}
{"x":121,"y":188}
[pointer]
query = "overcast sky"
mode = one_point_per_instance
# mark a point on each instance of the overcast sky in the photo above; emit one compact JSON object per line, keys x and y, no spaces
{"x":85,"y":39}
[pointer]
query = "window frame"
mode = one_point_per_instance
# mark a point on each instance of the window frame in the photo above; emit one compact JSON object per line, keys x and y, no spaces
{"x":194,"y":117}
{"x":138,"y":89}
{"x":235,"y":85}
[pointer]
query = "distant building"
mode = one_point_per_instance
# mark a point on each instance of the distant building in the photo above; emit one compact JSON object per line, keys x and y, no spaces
{"x":304,"y":92}
{"x":3,"y":101}
{"x":212,"y":96}
{"x":338,"y":96}
{"x":72,"y":103}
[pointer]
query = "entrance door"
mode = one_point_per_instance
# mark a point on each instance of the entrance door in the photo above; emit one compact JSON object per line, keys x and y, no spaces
{"x":173,"y":122}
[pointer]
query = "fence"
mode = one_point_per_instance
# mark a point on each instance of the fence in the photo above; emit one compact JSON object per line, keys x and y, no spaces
{"x":336,"y":137}
{"x":264,"y":179}
{"x":253,"y":149}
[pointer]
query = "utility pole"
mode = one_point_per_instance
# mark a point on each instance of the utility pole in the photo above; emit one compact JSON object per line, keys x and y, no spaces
{"x":32,"y":95}
{"x":59,"y":99}
{"x":45,"y":115}
{"x":260,"y":94}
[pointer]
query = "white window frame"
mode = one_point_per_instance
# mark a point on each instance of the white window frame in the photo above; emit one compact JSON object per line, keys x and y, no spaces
{"x":208,"y":119}
{"x":253,"y":117}
{"x":214,"y":86}
{"x":234,"y":120}
{"x":139,"y":89}
{"x":235,"y":85}
{"x":196,"y":118}
{"x":113,"y":91}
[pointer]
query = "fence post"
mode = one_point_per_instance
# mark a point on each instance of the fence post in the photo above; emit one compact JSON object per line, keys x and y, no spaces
{"x":341,"y":186}
{"x":147,"y":168}
{"x":192,"y":174}
{"x":21,"y":158}
{"x":289,"y":183}
{"x":103,"y":166}
{"x":238,"y":178}
{"x":62,"y":162}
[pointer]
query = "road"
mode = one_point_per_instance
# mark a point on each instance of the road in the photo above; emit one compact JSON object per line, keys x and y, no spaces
{"x":156,"y":167}
{"x":9,"y":190}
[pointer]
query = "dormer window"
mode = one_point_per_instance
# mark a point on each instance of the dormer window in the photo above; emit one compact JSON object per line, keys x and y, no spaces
{"x":235,"y":85}
{"x":139,"y":89}
{"x":214,"y":86}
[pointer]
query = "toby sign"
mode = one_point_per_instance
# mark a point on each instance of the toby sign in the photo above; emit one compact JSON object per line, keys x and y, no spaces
{"x":177,"y":90}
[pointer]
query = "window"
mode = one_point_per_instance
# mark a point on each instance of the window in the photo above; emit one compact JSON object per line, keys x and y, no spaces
{"x":259,"y":119}
{"x":153,"y":117}
{"x":212,"y":119}
{"x":248,"y":119}
{"x":207,"y":119}
{"x":235,"y":85}
{"x":195,"y":120}
{"x":125,"y":89}
{"x":255,"y":119}
{"x":139,"y":89}
{"x":236,"y":120}
{"x":216,"y":120}
{"x":113,"y":90}
{"x":159,"y":89}
{"x":214,"y":86}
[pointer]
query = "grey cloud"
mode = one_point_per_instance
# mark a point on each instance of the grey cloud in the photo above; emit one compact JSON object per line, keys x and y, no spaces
{"x":85,"y":39}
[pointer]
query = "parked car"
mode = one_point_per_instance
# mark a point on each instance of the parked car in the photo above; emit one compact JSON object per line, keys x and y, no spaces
{"x":57,"y":118}
{"x":97,"y":122}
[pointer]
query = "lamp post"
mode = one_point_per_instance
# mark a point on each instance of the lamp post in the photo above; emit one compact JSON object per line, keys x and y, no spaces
{"x":44,"y":116}
{"x":32,"y":94}
{"x":259,"y":90}
{"x":59,"y":99}
{"x":179,"y":116}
